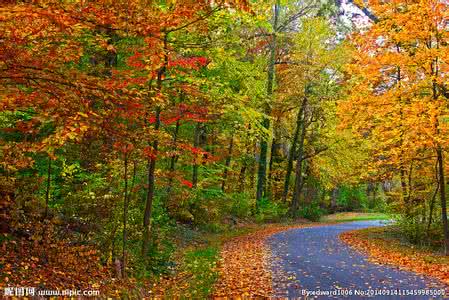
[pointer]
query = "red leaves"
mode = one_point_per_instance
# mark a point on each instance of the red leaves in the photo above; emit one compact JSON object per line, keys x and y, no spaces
{"x":193,"y":150}
{"x":123,"y":147}
{"x":150,"y":152}
{"x":136,"y":60}
{"x":194,"y":63}
{"x":186,"y":183}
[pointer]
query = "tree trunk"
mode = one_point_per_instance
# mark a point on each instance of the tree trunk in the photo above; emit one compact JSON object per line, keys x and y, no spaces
{"x":152,"y":161}
{"x":125,"y":217}
{"x":196,"y":143}
{"x":291,"y":155}
{"x":334,"y":196}
{"x":47,"y":192}
{"x":299,"y":161}
{"x":270,"y":168}
{"x":172,"y":166}
{"x":443,"y":199}
{"x":150,"y":192}
{"x":262,"y":171}
{"x":242,"y":178}
{"x":404,"y":191}
{"x":253,"y":169}
{"x":439,"y":150}
{"x":431,"y":207}
{"x":227,"y":163}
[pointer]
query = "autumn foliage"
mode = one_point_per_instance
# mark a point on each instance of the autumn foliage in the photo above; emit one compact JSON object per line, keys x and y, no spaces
{"x":130,"y":129}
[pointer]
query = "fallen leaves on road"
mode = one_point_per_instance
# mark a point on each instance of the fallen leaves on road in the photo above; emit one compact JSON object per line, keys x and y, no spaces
{"x":244,"y":266}
{"x":390,"y":251}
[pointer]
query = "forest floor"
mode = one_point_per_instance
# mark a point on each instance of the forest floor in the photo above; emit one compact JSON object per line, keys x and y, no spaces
{"x":385,"y":245}
{"x":269,"y":260}
{"x":234,"y":262}
{"x":224,"y":263}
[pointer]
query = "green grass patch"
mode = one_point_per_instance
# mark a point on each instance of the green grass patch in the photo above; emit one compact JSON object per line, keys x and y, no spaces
{"x":355,"y":216}
{"x":201,"y":264}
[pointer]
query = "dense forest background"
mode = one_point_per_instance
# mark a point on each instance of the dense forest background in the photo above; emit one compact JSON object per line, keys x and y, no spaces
{"x":129,"y":127}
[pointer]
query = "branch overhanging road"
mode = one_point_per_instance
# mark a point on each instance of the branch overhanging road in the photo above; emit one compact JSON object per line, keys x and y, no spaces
{"x":315,"y":260}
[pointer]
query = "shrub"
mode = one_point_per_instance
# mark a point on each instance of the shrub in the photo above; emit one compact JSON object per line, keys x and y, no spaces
{"x":312,"y":211}
{"x":352,"y":198}
{"x":270,"y":211}
{"x":241,"y":205}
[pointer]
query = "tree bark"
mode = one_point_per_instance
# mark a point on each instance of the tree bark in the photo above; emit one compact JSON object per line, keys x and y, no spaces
{"x":150,"y":192}
{"x":173,"y":157}
{"x":291,"y":155}
{"x":196,"y":143}
{"x":299,"y":161}
{"x":443,"y":199}
{"x":242,"y":178}
{"x":47,"y":192}
{"x":125,"y":217}
{"x":152,"y":161}
{"x":432,"y":206}
{"x":227,"y":163}
{"x":439,"y":150}
{"x":270,"y":168}
{"x":262,"y":171}
{"x":334,"y":196}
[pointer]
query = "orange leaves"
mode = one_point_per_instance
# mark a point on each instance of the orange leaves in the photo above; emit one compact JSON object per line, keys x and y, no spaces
{"x":392,"y":252}
{"x":397,"y":72}
{"x":45,"y":260}
{"x":245,"y":265}
{"x":242,"y":269}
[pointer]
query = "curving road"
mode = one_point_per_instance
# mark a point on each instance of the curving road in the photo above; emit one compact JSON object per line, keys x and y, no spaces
{"x":314,"y":260}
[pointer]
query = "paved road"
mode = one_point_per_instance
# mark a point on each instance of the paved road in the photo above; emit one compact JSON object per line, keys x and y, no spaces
{"x":314,"y":260}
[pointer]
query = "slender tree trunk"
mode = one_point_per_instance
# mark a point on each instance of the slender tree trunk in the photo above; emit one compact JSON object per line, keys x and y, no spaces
{"x":291,"y":155}
{"x":152,"y":161}
{"x":368,"y":193}
{"x":270,"y":168}
{"x":262,"y":171}
{"x":47,"y":192}
{"x":253,"y":169}
{"x":227,"y":163}
{"x":401,"y":142}
{"x":299,"y":160}
{"x":439,"y":150}
{"x":431,"y":207}
{"x":150,"y":192}
{"x":242,"y":178}
{"x":443,"y":199}
{"x":125,"y":217}
{"x":334,"y":196}
{"x":172,"y":166}
{"x":196,"y":143}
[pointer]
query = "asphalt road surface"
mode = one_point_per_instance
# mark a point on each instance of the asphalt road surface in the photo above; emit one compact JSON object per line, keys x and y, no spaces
{"x":314,"y":260}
